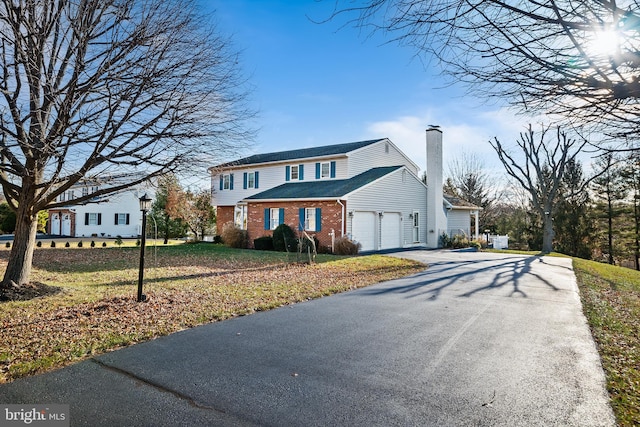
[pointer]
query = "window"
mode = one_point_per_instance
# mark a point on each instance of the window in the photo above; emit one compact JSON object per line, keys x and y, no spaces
{"x":240,"y":216}
{"x":416,"y":227}
{"x":273,"y":217}
{"x":91,"y":218}
{"x":85,"y":191}
{"x":325,"y":170}
{"x":70,"y":195}
{"x":295,"y":172}
{"x":121,"y":219}
{"x":62,"y":197}
{"x":310,"y":219}
{"x":226,"y":182}
{"x":249,"y":180}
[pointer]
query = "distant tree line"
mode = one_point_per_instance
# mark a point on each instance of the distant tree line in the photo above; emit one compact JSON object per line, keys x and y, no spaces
{"x":593,"y":217}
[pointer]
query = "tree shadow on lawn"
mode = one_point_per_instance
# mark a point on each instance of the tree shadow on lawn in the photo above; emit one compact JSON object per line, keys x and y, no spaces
{"x":431,"y":282}
{"x":149,"y":279}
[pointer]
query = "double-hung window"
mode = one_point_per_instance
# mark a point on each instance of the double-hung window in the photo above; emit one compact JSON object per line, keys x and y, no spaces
{"x":249,"y":180}
{"x":325,"y":170}
{"x":294,"y":172}
{"x":226,"y":182}
{"x":273,"y":217}
{"x":121,"y":219}
{"x":310,"y":219}
{"x":92,"y":218}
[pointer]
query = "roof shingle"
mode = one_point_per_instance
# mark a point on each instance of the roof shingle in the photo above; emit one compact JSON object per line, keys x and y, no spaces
{"x":334,"y":188}
{"x":302,"y":153}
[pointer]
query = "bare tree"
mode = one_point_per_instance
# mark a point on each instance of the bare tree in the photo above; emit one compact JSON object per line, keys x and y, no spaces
{"x":542,"y":171}
{"x":469,"y":178}
{"x":92,"y":89}
{"x":577,"y":59}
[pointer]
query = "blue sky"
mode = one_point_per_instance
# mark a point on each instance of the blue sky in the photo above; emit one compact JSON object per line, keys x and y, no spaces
{"x":318,"y":84}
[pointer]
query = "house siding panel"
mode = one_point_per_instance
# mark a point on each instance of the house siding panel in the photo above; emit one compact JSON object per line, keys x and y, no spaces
{"x":393,"y":193}
{"x":458,"y":222}
{"x":374,"y":155}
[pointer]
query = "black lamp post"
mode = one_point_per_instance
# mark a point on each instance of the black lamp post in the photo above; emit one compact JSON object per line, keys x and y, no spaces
{"x":145,"y":205}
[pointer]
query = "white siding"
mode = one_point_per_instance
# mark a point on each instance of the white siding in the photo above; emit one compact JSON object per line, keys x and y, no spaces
{"x":458,"y":222}
{"x":126,"y":202}
{"x":269,"y":176}
{"x":399,"y":192}
{"x":375,"y":155}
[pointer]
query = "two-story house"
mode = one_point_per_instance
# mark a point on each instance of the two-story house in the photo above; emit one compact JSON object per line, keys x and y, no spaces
{"x":113,"y":215}
{"x":368,"y":191}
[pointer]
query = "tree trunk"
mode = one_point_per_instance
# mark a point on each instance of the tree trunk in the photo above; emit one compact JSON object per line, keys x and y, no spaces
{"x":547,"y":235}
{"x":21,"y":256}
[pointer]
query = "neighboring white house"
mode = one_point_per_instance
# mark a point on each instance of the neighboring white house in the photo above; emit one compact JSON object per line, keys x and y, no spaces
{"x":109,"y":216}
{"x":368,"y":191}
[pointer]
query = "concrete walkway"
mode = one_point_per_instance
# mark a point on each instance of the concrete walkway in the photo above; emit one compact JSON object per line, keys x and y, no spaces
{"x":477,"y":339}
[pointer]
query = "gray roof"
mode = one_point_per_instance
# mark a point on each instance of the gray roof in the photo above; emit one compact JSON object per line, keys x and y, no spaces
{"x":321,"y":189}
{"x":458,"y":202}
{"x":302,"y":153}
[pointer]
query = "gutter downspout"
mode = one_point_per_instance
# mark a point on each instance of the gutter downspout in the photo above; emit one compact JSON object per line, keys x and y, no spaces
{"x":343,"y":225}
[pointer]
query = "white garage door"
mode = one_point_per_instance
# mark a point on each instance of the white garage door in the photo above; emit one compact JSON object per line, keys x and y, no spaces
{"x":363,"y":230}
{"x":390,"y":231}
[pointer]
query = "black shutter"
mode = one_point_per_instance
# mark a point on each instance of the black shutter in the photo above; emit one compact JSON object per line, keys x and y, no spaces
{"x":99,"y":219}
{"x":86,"y":218}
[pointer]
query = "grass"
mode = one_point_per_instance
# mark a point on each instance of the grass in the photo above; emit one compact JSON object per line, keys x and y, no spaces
{"x":611,"y":302}
{"x":186,"y":285}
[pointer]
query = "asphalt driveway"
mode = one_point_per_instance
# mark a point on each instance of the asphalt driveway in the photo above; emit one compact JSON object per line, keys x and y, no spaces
{"x":476,"y":339}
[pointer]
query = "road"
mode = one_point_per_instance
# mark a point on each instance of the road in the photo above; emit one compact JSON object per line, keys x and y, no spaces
{"x":477,"y":339}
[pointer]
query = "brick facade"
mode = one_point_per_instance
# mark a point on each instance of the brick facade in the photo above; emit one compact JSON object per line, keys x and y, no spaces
{"x":224,"y":214}
{"x":331,"y":218}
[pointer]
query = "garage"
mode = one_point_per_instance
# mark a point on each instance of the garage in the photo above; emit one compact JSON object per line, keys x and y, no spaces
{"x":363,"y":230}
{"x":390,"y":230}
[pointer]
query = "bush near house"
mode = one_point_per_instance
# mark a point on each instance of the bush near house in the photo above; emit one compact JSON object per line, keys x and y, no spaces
{"x":234,"y":237}
{"x":264,"y":243}
{"x":284,"y":239}
{"x":344,"y":246}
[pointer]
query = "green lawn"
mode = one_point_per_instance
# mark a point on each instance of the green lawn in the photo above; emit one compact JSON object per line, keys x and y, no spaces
{"x":611,"y":302}
{"x":186,"y":285}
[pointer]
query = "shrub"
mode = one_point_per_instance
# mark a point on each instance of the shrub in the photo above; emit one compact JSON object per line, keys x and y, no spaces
{"x":284,"y":239}
{"x":93,"y":244}
{"x":8,"y":244}
{"x":217,"y":239}
{"x":138,"y":242}
{"x":67,"y":245}
{"x":344,"y":246}
{"x":39,"y":244}
{"x":80,"y":244}
{"x":264,"y":243}
{"x":53,"y":244}
{"x":118,"y":240}
{"x":475,"y":244}
{"x":445,"y":240}
{"x":104,"y":244}
{"x":460,"y":241}
{"x":234,"y":237}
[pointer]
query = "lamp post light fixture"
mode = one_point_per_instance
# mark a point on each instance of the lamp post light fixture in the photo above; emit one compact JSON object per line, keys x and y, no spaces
{"x":145,"y":205}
